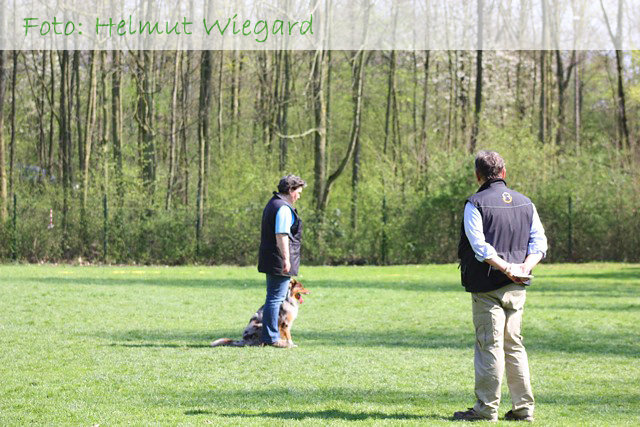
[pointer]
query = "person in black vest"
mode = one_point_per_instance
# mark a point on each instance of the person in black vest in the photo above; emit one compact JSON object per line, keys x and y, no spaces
{"x":502,"y":239}
{"x":279,"y":256}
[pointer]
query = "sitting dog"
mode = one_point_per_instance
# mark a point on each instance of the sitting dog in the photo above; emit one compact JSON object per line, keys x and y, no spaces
{"x":288,"y":312}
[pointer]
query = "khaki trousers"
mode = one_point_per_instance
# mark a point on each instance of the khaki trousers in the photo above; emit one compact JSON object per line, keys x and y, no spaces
{"x":497,"y":317}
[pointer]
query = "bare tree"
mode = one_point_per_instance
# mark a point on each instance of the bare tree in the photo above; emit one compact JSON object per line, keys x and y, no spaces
{"x":3,"y":168}
{"x":146,"y":132}
{"x":623,"y":127}
{"x":145,"y":64}
{"x":578,"y":86}
{"x":283,"y":104}
{"x":357,"y":89}
{"x":185,"y":98}
{"x":320,"y":137}
{"x":52,"y":85}
{"x":542,"y":129}
{"x":116,"y":123}
{"x":76,"y":107}
{"x":478,"y":99}
{"x":12,"y":142}
{"x":88,"y":141}
{"x":172,"y":130}
{"x":423,"y":151}
{"x":64,"y":136}
{"x":563,"y":83}
{"x":90,"y":125}
{"x":206,"y":69}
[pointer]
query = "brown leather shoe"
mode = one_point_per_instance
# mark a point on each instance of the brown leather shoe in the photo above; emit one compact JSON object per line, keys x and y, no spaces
{"x":469,"y":415}
{"x":510,"y":416}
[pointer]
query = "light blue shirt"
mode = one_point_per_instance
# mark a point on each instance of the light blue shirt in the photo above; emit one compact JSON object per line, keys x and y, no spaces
{"x":284,"y":220}
{"x":474,"y":230}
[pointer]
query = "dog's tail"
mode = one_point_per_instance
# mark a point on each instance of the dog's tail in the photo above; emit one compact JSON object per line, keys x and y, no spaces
{"x":227,"y":342}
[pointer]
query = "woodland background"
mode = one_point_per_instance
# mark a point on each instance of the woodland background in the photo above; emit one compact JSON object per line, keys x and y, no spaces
{"x":163,"y":157}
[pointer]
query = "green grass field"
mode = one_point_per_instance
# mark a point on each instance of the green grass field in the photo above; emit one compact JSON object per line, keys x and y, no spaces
{"x":113,"y":346}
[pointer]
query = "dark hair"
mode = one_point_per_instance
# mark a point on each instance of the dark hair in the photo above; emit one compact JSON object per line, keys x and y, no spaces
{"x":489,"y":164}
{"x":290,"y":183}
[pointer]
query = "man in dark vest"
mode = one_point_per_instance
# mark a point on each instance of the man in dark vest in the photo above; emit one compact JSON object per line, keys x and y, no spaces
{"x":501,"y":241}
{"x":279,"y":255}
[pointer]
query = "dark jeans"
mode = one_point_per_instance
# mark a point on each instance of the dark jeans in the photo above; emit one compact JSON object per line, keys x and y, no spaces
{"x":277,"y":288}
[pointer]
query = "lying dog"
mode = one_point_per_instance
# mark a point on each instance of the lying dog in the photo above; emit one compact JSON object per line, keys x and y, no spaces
{"x":252,"y":334}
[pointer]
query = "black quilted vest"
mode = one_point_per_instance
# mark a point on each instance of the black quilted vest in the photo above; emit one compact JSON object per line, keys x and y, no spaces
{"x":270,"y":259}
{"x":506,"y":218}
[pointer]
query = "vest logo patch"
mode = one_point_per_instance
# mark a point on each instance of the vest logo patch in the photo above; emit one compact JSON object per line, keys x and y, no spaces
{"x":506,"y":197}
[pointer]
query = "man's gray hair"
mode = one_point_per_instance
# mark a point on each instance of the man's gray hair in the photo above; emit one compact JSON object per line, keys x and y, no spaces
{"x":489,"y":164}
{"x":290,"y":183}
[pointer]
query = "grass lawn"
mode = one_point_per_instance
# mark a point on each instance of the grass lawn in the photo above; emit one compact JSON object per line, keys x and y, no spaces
{"x":113,"y":346}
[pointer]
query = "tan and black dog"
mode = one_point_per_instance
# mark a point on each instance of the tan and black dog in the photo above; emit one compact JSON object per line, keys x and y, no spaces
{"x":288,"y":312}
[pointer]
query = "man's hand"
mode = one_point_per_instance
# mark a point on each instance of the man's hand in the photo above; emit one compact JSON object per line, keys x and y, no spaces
{"x":515,"y":273}
{"x":287,"y":266}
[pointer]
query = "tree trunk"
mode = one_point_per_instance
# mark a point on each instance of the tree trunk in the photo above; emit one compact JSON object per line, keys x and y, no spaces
{"x":274,"y":106}
{"x":206,"y":68}
{"x":578,"y":102}
{"x":65,"y":152}
{"x":184,"y":130}
{"x":353,"y":139}
{"x":543,"y":97}
{"x":104,"y":145}
{"x":40,"y":102}
{"x":623,"y":128}
{"x":357,"y":88}
{"x":388,"y":135}
{"x":478,"y":104}
{"x":87,"y":142}
{"x":75,"y":88}
{"x":144,"y":118}
{"x":520,"y":107}
{"x":220,"y":112}
{"x":561,"y":89}
{"x":563,"y":84}
{"x":398,"y":163}
{"x":12,"y":143}
{"x":473,"y":142}
{"x":104,"y":120}
{"x":391,"y":76}
{"x":622,"y":109}
{"x":172,"y":131}
{"x":147,"y":128}
{"x":452,"y":99}
{"x":88,"y":136}
{"x":3,"y":169}
{"x":262,"y":103}
{"x":414,"y":106}
{"x":277,"y":105}
{"x":284,"y":108}
{"x":234,"y":91}
{"x":52,"y":85}
{"x":542,"y":130}
{"x":116,"y":124}
{"x":424,"y":150}
{"x":329,"y":73}
{"x":320,"y":141}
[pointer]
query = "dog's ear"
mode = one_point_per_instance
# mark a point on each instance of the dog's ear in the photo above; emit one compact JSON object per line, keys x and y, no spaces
{"x":300,"y":289}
